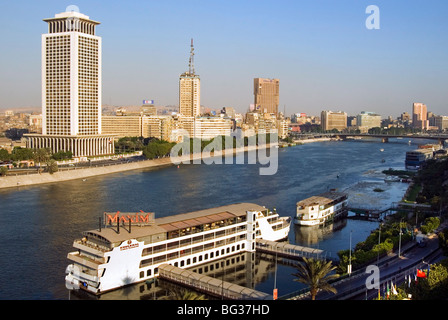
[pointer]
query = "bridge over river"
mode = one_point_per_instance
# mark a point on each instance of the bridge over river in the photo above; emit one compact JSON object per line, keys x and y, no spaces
{"x":219,"y":288}
{"x":440,"y":138}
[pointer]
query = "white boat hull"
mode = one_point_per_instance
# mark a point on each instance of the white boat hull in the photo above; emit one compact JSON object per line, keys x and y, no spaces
{"x":123,"y":265}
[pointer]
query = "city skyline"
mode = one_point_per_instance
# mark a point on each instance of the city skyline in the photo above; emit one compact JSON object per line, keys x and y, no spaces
{"x":322,"y":53}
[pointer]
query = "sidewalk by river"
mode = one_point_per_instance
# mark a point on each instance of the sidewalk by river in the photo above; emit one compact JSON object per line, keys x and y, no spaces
{"x":85,"y":172}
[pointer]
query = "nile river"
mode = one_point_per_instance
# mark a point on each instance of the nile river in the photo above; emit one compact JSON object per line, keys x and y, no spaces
{"x":39,"y":223}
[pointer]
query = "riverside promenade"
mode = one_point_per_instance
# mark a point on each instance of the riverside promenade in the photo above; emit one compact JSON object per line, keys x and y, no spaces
{"x":12,"y":181}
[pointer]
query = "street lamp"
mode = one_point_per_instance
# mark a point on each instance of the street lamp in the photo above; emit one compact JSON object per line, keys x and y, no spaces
{"x":379,"y":242}
{"x":399,"y":243}
{"x":349,"y":268}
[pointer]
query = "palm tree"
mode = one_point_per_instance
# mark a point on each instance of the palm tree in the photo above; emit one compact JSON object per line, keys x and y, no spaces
{"x":41,"y":155}
{"x":184,"y":294}
{"x":316,"y":274}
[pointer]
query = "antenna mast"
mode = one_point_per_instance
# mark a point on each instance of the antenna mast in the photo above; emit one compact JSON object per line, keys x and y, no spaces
{"x":191,"y":63}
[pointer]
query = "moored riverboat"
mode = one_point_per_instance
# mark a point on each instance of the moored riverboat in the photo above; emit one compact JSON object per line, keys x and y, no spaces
{"x":322,"y":208}
{"x":128,"y":248}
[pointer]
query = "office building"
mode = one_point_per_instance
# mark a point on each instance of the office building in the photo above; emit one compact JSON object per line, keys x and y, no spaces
{"x":333,"y":120}
{"x":206,"y":128}
{"x":367,"y":120}
{"x":71,"y":88}
{"x":266,"y":95}
{"x":441,"y":122}
{"x":420,"y":116}
{"x":146,"y":126}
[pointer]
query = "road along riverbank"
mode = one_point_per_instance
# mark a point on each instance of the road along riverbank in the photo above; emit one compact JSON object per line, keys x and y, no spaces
{"x":11,"y":181}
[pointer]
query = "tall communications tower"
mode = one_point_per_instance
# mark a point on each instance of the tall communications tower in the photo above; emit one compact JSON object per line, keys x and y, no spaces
{"x":190,"y":89}
{"x":191,"y":63}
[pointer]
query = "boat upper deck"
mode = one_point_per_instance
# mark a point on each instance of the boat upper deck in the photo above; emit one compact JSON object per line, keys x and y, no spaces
{"x":323,"y":199}
{"x":162,"y":227}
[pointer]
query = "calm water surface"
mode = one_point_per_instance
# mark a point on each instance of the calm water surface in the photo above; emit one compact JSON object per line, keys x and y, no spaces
{"x":39,"y":223}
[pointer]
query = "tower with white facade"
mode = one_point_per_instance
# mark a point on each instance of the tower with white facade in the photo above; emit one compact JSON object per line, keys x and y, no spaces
{"x":71,"y":88}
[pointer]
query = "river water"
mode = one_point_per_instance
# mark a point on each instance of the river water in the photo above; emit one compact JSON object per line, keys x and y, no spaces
{"x":39,"y":223}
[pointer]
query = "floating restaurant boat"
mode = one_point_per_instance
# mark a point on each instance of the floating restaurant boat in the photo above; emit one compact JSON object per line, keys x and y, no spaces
{"x":128,"y":248}
{"x":323,"y":208}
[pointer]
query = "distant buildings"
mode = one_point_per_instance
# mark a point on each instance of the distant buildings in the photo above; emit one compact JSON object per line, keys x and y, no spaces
{"x":187,"y":122}
{"x":206,"y":128}
{"x":266,"y":95}
{"x":333,"y":120}
{"x":440,"y":122}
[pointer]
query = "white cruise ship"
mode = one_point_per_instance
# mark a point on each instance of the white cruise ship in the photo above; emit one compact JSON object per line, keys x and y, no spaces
{"x":323,"y":208}
{"x":129,"y":247}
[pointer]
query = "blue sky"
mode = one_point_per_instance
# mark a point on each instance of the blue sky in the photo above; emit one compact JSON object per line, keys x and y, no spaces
{"x":324,"y":56}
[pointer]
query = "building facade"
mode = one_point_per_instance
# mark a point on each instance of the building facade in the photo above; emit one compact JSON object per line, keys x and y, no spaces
{"x":366,"y":120}
{"x":420,"y":116}
{"x":190,"y":90}
{"x":71,"y":88}
{"x":266,"y":95}
{"x":153,"y":126}
{"x":333,"y":120}
{"x":441,"y":122}
{"x":189,"y":95}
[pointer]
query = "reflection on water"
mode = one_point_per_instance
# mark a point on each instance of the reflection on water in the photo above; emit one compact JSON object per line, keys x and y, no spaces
{"x":309,"y":236}
{"x":240,"y":269}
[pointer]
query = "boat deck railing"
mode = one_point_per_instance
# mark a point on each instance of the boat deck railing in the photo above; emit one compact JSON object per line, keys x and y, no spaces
{"x":291,"y":251}
{"x":209,"y":285}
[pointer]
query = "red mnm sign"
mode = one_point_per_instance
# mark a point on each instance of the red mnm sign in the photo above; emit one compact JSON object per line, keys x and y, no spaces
{"x":140,"y":218}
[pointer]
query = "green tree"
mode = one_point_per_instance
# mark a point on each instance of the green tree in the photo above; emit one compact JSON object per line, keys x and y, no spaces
{"x":443,"y":241}
{"x":41,"y":156}
{"x":52,"y":166}
{"x":3,"y":171}
{"x":62,"y":155}
{"x":19,"y":154}
{"x":157,"y":148}
{"x":4,"y":155}
{"x":129,"y":144}
{"x":430,"y":225}
{"x":434,"y":286}
{"x":316,"y":274}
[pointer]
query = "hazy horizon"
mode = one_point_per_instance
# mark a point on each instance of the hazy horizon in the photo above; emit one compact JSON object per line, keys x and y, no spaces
{"x":322,"y":52}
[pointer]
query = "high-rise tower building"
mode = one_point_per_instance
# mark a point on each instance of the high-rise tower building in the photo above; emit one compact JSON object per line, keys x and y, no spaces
{"x":190,"y":90}
{"x":71,"y":88}
{"x":420,"y":116}
{"x":266,"y":94}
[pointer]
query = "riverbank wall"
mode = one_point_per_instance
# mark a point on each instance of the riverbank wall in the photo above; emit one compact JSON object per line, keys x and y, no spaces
{"x":304,"y":141}
{"x":15,"y":181}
